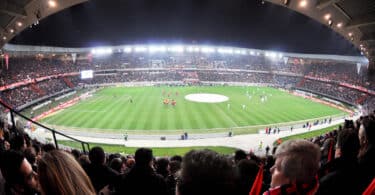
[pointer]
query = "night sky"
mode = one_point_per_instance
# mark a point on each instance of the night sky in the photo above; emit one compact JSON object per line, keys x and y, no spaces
{"x":240,"y":23}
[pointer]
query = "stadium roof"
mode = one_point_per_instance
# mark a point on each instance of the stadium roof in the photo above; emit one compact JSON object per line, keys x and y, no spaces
{"x":353,"y":19}
{"x":16,"y":15}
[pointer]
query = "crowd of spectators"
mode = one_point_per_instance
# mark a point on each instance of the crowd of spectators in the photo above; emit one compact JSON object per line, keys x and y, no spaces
{"x":22,"y":95}
{"x":339,"y":162}
{"x":178,"y":67}
{"x":334,"y":90}
{"x":30,"y":67}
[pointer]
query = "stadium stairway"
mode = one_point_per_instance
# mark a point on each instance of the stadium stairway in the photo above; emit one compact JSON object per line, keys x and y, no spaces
{"x":68,"y":82}
{"x":302,"y":82}
{"x":361,"y":99}
{"x":36,"y":89}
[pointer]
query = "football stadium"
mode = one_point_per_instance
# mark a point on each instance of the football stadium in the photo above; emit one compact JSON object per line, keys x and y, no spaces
{"x":140,"y":97}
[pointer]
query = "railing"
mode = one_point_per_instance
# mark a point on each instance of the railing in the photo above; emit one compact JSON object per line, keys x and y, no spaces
{"x":12,"y":112}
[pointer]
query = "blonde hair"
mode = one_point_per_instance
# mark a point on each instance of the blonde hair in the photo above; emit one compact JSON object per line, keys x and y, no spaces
{"x":60,"y":174}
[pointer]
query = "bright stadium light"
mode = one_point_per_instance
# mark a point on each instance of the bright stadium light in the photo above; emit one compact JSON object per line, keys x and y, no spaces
{"x":303,"y":3}
{"x":140,"y":49}
{"x":252,"y":53}
{"x":127,"y":49}
{"x":327,"y":16}
{"x":153,"y":49}
{"x":207,"y":49}
{"x":225,"y":50}
{"x":52,"y":3}
{"x":102,"y":51}
{"x":176,"y":48}
{"x":339,"y":25}
{"x":190,"y":49}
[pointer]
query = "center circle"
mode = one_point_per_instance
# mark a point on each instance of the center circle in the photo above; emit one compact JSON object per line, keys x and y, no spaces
{"x":206,"y":98}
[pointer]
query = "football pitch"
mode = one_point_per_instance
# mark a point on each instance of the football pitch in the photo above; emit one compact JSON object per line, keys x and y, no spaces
{"x":150,"y":109}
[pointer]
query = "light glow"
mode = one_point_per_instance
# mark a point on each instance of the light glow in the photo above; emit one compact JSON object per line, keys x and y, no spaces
{"x":176,"y":48}
{"x":303,"y":3}
{"x":140,"y":49}
{"x":327,"y":16}
{"x":127,"y":49}
{"x":52,"y":3}
{"x":102,"y":51}
{"x":207,"y":49}
{"x":153,"y":49}
{"x":225,"y":50}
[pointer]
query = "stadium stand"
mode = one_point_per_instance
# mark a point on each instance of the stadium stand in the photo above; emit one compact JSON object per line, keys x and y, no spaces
{"x":200,"y":167}
{"x":31,"y":80}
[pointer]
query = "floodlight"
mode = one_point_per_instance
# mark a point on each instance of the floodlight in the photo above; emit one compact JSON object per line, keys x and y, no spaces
{"x":190,"y":49}
{"x":52,"y":3}
{"x":339,"y":25}
{"x":153,"y":49}
{"x":330,"y":22}
{"x":303,"y":3}
{"x":225,"y":50}
{"x":176,"y":48}
{"x":207,"y":49}
{"x":327,"y":16}
{"x":127,"y":49}
{"x":140,"y":49}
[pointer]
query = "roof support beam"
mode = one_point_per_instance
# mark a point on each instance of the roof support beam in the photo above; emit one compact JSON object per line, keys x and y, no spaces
{"x":342,"y":11}
{"x":361,"y":21}
{"x":10,"y":8}
{"x":321,"y":4}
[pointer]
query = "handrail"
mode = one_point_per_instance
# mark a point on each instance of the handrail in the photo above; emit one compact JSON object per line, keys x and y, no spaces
{"x":54,"y":132}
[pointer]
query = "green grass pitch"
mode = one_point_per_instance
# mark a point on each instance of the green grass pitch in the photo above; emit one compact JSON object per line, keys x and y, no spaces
{"x":111,"y":109}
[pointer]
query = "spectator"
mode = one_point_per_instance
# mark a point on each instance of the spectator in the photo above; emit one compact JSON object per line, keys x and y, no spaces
{"x":116,"y":164}
{"x":295,"y":169}
{"x":142,"y":179}
{"x":18,"y":143}
{"x":343,"y":177}
{"x":367,"y":152}
{"x":30,"y":155}
{"x":48,"y":148}
{"x":206,"y":172}
{"x":162,"y":167}
{"x":18,"y":174}
{"x":246,"y":172}
{"x":239,"y":155}
{"x":100,"y":175}
{"x":174,"y":167}
{"x":60,"y":174}
{"x":176,"y":158}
